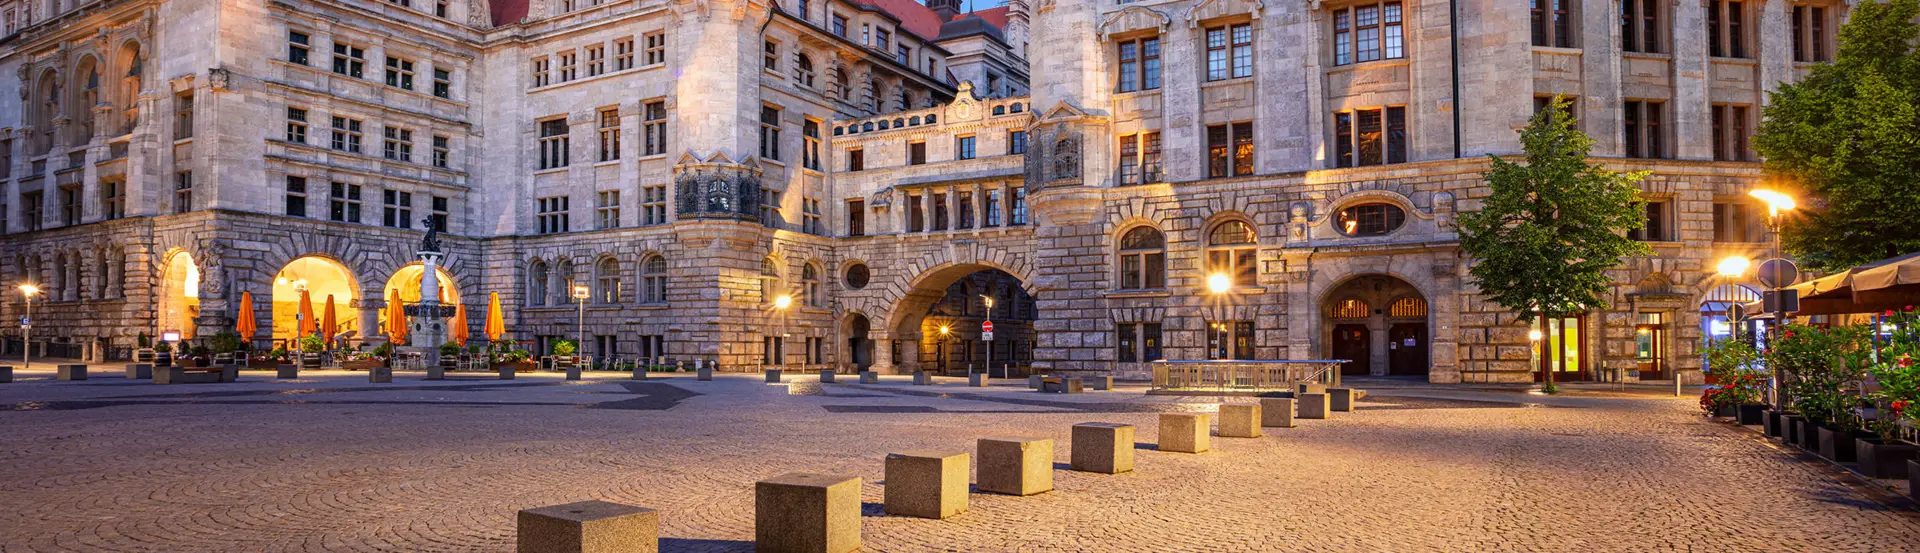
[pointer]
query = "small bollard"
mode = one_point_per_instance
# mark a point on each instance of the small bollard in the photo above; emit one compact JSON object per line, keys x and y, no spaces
{"x":807,"y":513}
{"x":139,"y":371}
{"x":1103,"y":447}
{"x":506,"y":372}
{"x":869,"y":377}
{"x":639,"y":372}
{"x":588,"y":527}
{"x":1184,"y":432}
{"x":379,"y":375}
{"x":1276,"y":412}
{"x":573,"y":372}
{"x":1034,"y":381}
{"x":977,"y":380}
{"x":703,"y":373}
{"x":774,"y":376}
{"x":436,"y":372}
{"x":1312,"y":406}
{"x":72,"y":372}
{"x":1015,"y":466}
{"x":922,"y":378}
{"x":1100,"y":382}
{"x":1240,"y":421}
{"x":6,"y":374}
{"x":927,"y":484}
{"x":826,"y":376}
{"x":1341,"y":398}
{"x":286,"y":370}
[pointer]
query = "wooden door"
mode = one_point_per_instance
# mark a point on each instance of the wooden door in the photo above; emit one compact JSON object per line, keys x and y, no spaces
{"x":1407,"y":349}
{"x":1353,"y":342}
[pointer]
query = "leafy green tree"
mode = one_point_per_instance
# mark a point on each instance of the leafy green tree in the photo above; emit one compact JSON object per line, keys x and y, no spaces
{"x":1545,"y":237}
{"x":1847,"y":139}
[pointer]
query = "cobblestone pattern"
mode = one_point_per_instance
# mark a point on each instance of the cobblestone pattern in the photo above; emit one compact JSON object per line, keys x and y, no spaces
{"x":330,"y":463}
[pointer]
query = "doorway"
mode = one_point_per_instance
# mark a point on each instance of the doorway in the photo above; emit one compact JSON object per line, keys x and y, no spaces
{"x":1650,"y":346}
{"x":1353,"y":343}
{"x":1561,"y":349}
{"x":1407,"y":349}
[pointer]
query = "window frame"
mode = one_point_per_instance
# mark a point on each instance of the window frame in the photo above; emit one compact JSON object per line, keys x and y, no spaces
{"x":1141,"y":266}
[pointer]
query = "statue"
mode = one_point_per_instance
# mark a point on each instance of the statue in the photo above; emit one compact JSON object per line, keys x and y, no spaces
{"x":432,"y":241}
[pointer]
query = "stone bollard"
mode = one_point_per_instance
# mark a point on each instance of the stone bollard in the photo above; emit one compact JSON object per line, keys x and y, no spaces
{"x":703,"y":373}
{"x":1312,"y":406}
{"x":927,"y":484}
{"x":869,"y":377}
{"x":6,"y":374}
{"x":640,"y":372}
{"x":573,"y":372}
{"x":1015,"y":466}
{"x":229,"y":373}
{"x":1184,"y":432}
{"x":1103,"y":447}
{"x":826,"y":376}
{"x":72,"y":372}
{"x":774,"y":376}
{"x":1240,"y":421}
{"x":977,"y":380}
{"x":506,"y":372}
{"x":1342,"y":399}
{"x":922,"y":378}
{"x":287,"y":370}
{"x":1073,"y":386}
{"x":1034,"y":381}
{"x":140,"y":371}
{"x":1101,"y":382}
{"x":1276,"y":412}
{"x":436,"y":372}
{"x":380,"y":375}
{"x":807,"y":513}
{"x":1311,"y":388}
{"x":588,"y":527}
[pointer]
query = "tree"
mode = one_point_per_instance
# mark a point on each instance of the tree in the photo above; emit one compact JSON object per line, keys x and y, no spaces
{"x":1847,"y":139}
{"x":1545,"y":237}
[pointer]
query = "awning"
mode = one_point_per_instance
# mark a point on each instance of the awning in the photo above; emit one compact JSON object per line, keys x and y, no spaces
{"x":1892,"y":283}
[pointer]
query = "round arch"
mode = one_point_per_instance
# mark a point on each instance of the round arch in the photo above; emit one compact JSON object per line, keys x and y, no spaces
{"x":320,"y":276}
{"x":179,"y":294}
{"x":406,"y":280}
{"x":1380,"y":322}
{"x":924,"y":305}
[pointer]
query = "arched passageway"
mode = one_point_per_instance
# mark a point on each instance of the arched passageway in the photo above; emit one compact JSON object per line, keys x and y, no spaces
{"x":859,"y":352}
{"x":320,"y":278}
{"x":406,"y":281}
{"x":179,"y":296}
{"x":939,"y":325}
{"x":1381,"y":324}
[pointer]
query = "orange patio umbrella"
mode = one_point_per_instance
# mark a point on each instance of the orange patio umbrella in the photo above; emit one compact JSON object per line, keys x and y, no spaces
{"x":459,"y":324}
{"x":396,"y":319}
{"x":307,"y":324}
{"x":246,"y":325}
{"x":328,"y":327}
{"x":496,"y":320}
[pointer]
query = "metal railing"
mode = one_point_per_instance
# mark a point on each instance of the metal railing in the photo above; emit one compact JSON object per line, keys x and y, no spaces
{"x":1244,"y":375}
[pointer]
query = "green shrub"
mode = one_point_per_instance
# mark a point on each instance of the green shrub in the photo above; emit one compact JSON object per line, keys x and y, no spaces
{"x":564,"y":348}
{"x":225,"y":342}
{"x":449,"y":349}
{"x":312,"y":344}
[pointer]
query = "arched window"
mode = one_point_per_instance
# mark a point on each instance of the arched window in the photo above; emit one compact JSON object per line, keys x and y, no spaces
{"x":1372,"y":219}
{"x":803,"y":70}
{"x":999,"y":110}
{"x":563,"y":279}
{"x":1019,"y":107}
{"x":1408,"y":307}
{"x":1231,"y":249}
{"x":1351,"y":309}
{"x":102,"y":274}
{"x":810,"y":281}
{"x":1143,"y":259}
{"x":606,"y":281}
{"x":653,"y":280}
{"x":858,"y":275}
{"x":840,"y":81}
{"x":769,"y":279}
{"x":537,"y":281}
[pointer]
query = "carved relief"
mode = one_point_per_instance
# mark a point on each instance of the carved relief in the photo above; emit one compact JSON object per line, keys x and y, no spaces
{"x":217,"y":79}
{"x":1065,"y":158}
{"x":1134,"y":18}
{"x":1209,"y":9}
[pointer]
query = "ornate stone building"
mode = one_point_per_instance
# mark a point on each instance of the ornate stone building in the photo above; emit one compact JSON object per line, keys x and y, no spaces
{"x":888,"y":165}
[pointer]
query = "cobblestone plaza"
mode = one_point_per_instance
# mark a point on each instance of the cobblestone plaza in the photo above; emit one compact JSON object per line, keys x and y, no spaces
{"x":330,"y":463}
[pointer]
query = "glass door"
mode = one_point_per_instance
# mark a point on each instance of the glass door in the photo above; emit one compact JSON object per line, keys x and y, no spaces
{"x":1650,"y":345}
{"x":1561,"y":349}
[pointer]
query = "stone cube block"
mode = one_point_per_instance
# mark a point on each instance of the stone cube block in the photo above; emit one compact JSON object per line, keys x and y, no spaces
{"x":1341,"y":399}
{"x":1276,"y":412}
{"x":1034,"y":381}
{"x":639,"y":372}
{"x":6,"y":374}
{"x":72,"y":372}
{"x":287,"y":370}
{"x":1100,"y":382}
{"x":774,"y":376}
{"x":229,"y":373}
{"x":588,"y":527}
{"x":807,"y":513}
{"x":573,"y":372}
{"x":826,"y":376}
{"x":140,"y":371}
{"x":977,"y":380}
{"x":1312,"y":406}
{"x":1310,"y":388}
{"x":922,"y":378}
{"x":436,"y":372}
{"x":506,"y":372}
{"x":927,"y":484}
{"x":380,"y":375}
{"x":1184,"y":432}
{"x":1015,"y":466}
{"x":1240,"y":420}
{"x":1103,"y":447}
{"x":703,"y":373}
{"x":869,"y":377}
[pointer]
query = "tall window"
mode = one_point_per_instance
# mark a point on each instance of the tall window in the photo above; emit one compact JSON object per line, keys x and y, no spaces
{"x":1140,"y":158}
{"x":623,"y":54}
{"x":856,"y":160}
{"x":916,"y":217}
{"x":298,"y":47}
{"x":1641,"y":26}
{"x":440,"y":213}
{"x":540,"y":75}
{"x":441,"y":152}
{"x":939,"y":206}
{"x":552,"y":214}
{"x":653,"y":205}
{"x":606,"y":209}
{"x":596,"y":59}
{"x":113,"y":199}
{"x":343,"y":203}
{"x":1368,"y":32}
{"x":963,"y":201}
{"x":963,"y":147}
{"x":1143,"y":259}
{"x":606,"y":281}
{"x":1017,"y":215}
{"x":1139,"y":64}
{"x":553,"y":143}
{"x":655,"y":128}
{"x":1810,"y":34}
{"x":1726,"y":29}
{"x":770,"y":55}
{"x":1016,"y":142}
{"x":1735,"y":222}
{"x":1230,"y":150}
{"x":916,"y":153}
{"x":70,"y":205}
{"x":653,"y":280}
{"x":770,"y":132}
{"x":1552,"y":22}
{"x":400,"y":73}
{"x":297,"y":125}
{"x":348,"y":59}
{"x":856,"y":218}
{"x":1231,"y":248}
{"x":992,"y":217}
{"x":183,"y":192}
{"x":1730,"y":132}
{"x":656,"y":48}
{"x":30,"y":214}
{"x":803,"y":70}
{"x":346,"y":134}
{"x":396,"y":144}
{"x":810,"y":286}
{"x":1659,"y":228}
{"x":1370,"y":136}
{"x":397,"y":209}
{"x":568,"y":67}
{"x":810,"y":144}
{"x":770,"y":215}
{"x":1230,"y":52}
{"x":1138,"y":342}
{"x":610,"y":134}
{"x":537,"y":276}
{"x":182,"y":116}
{"x":1642,"y":123}
{"x":296,"y":200}
{"x":839,"y":25}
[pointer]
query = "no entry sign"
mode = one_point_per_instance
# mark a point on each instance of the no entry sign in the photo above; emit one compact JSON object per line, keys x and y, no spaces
{"x":986,"y":326}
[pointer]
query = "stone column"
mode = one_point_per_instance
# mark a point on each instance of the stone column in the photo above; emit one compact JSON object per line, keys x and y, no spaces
{"x":1600,"y":68}
{"x":1776,"y":47}
{"x":1689,"y":109}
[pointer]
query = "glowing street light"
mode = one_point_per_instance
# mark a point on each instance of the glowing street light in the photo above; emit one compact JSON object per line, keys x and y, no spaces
{"x":783,"y":302}
{"x":1734,"y":266}
{"x":580,"y":294}
{"x":27,"y":292}
{"x":1219,"y":283}
{"x":1776,"y":201}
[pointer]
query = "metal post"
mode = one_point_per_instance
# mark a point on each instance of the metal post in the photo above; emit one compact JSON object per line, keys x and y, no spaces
{"x":26,"y":336}
{"x":580,"y":332}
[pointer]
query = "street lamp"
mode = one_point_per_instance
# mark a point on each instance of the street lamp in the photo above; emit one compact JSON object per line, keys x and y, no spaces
{"x":783,"y":302}
{"x":1219,"y":284}
{"x":580,"y":294}
{"x":986,"y":337}
{"x":941,"y":348}
{"x":779,"y":354}
{"x":26,"y":326}
{"x":1776,"y":273}
{"x":1734,"y":266}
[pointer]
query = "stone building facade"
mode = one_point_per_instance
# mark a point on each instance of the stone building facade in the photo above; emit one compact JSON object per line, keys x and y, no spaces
{"x":886,"y":164}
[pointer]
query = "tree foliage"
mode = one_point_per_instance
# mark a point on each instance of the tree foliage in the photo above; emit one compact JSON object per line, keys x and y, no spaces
{"x":1551,"y":227}
{"x":1847,"y":140}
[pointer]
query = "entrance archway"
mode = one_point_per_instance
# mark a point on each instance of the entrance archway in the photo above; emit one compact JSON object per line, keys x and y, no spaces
{"x":937,"y":326}
{"x":406,"y":280}
{"x":1715,"y":324}
{"x":179,"y":295}
{"x":1381,"y":324}
{"x":320,"y":277}
{"x":859,"y":352}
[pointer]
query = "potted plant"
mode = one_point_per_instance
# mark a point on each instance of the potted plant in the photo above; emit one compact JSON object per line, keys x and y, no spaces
{"x":369,"y":360}
{"x":449,"y":356}
{"x":1823,"y":365}
{"x":310,"y":349}
{"x":202,"y":355}
{"x":519,"y":360}
{"x":145,"y":353}
{"x":163,"y":354}
{"x":1738,"y":378}
{"x":563,"y":354}
{"x":1897,"y":374}
{"x":224,"y":344}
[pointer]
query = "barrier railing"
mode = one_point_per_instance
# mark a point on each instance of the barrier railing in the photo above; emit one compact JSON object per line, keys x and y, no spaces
{"x":1243,"y":375}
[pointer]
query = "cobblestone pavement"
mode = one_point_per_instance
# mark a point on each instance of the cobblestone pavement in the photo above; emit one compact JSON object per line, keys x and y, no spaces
{"x":332,"y":463}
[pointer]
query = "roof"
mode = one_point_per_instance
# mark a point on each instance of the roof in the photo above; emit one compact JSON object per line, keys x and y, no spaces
{"x":914,"y":16}
{"x":968,"y":25}
{"x":508,"y":12}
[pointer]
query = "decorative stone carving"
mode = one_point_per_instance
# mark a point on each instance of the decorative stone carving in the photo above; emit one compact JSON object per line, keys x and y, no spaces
{"x":966,"y":105}
{"x":477,"y":15}
{"x":1209,"y":9}
{"x":1065,"y":158}
{"x":1134,"y":18}
{"x":218,"y":78}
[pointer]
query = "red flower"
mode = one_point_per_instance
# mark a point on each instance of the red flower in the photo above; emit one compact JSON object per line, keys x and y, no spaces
{"x":1909,"y":308}
{"x":1906,"y":361}
{"x":1899,"y":406}
{"x":1889,"y":312}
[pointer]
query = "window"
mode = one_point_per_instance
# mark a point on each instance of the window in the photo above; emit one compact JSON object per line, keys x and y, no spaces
{"x":1230,"y":150}
{"x":1641,"y":122}
{"x":839,"y":25}
{"x":537,"y":276}
{"x":1230,"y":52}
{"x":1640,"y":26}
{"x":772,"y":348}
{"x":1551,"y":22}
{"x":963,"y":148}
{"x":916,"y":153}
{"x":441,"y":151}
{"x":1368,"y":32}
{"x":856,"y":160}
{"x":856,"y":218}
{"x":992,"y":216}
{"x":298,"y":46}
{"x":1730,"y":133}
{"x":183,"y":192}
{"x":399,"y":73}
{"x":346,"y":134}
{"x":653,"y":205}
{"x":440,"y":8}
{"x":770,"y":132}
{"x":623,"y":54}
{"x":297,"y":125}
{"x":1373,"y":219}
{"x":113,"y":200}
{"x":916,"y":217}
{"x":1810,"y":34}
{"x":1016,"y":142}
{"x":610,"y":134}
{"x":653,"y":280}
{"x":396,"y":144}
{"x":858,"y":275}
{"x":1139,"y":64}
{"x":810,"y":286}
{"x":1370,"y":136}
{"x":882,"y":38}
{"x":70,"y":205}
{"x":349,"y":60}
{"x":656,"y":48}
{"x":964,"y":201}
{"x":552,"y":214}
{"x":568,"y":67}
{"x":1138,"y":342}
{"x":816,"y":350}
{"x":397,"y":209}
{"x":596,"y":59}
{"x":810,"y":216}
{"x":182,"y":116}
{"x":343,"y":203}
{"x":653,"y":349}
{"x":606,"y":281}
{"x":770,"y":55}
{"x":655,"y":128}
{"x":30,"y":203}
{"x":939,"y":206}
{"x":1735,"y":222}
{"x":1658,"y":228}
{"x":554,"y":150}
{"x":440,"y":213}
{"x":1017,"y":215}
{"x":770,"y":215}
{"x":1726,"y":29}
{"x":540,"y":74}
{"x":442,"y":83}
{"x":296,"y":200}
{"x":606,"y":209}
{"x":1232,"y":249}
{"x":810,"y":144}
{"x":1143,"y":259}
{"x":1230,"y":340}
{"x":904,"y":55}
{"x":1140,"y":158}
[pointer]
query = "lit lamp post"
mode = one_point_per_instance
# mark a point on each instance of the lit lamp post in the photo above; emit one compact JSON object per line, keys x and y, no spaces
{"x":1776,"y":273}
{"x":940,"y":348}
{"x":26,"y":326}
{"x":986,"y":337}
{"x":1219,"y":285}
{"x":781,"y":303}
{"x":580,"y":294}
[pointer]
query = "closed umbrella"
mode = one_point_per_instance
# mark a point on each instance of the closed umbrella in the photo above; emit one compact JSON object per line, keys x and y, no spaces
{"x":307,"y":324}
{"x":460,"y":334}
{"x":246,"y":326}
{"x":328,"y":327}
{"x":396,"y":319}
{"x":496,"y":320}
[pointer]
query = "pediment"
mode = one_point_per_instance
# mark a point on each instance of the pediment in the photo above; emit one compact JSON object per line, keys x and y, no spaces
{"x":1134,"y":18}
{"x":1203,"y":10}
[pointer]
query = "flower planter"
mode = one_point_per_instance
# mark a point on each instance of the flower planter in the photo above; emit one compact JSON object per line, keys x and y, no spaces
{"x":1878,"y":459}
{"x":1836,"y":444}
{"x":1809,"y":436}
{"x":263,"y":363}
{"x":517,"y":366}
{"x":310,"y":360}
{"x":1725,"y":411}
{"x":1775,"y":423}
{"x":1752,"y":413}
{"x":1790,"y":428}
{"x":143,"y":355}
{"x":1913,"y":479}
{"x":363,"y":364}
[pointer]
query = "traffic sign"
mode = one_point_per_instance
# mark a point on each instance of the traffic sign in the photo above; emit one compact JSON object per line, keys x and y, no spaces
{"x":987,"y":336}
{"x":986,"y":326}
{"x":1778,"y":273}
